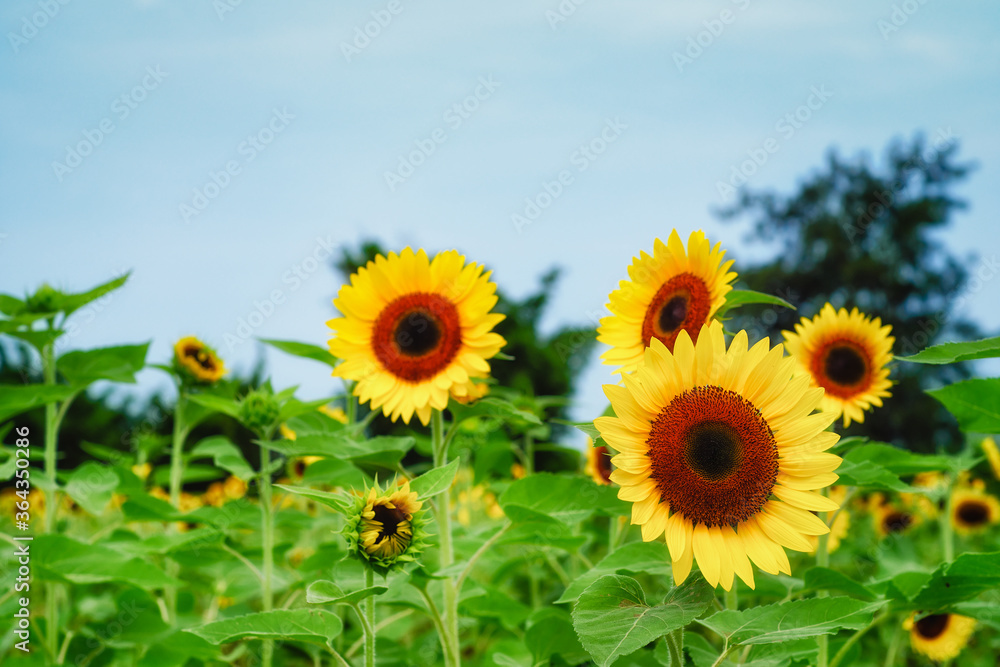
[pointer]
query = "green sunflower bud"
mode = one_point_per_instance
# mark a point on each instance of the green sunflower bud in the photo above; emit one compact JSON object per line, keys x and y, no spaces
{"x":386,"y":529}
{"x":259,"y":411}
{"x":42,"y":301}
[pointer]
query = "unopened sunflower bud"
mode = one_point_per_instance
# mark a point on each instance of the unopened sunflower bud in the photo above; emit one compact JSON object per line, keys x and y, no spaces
{"x":386,"y":528}
{"x":259,"y":411}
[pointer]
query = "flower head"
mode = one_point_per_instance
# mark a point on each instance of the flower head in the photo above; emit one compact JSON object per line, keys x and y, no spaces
{"x":598,"y":465}
{"x":386,"y":528}
{"x":940,"y":637}
{"x":973,"y":510}
{"x":196,"y":361}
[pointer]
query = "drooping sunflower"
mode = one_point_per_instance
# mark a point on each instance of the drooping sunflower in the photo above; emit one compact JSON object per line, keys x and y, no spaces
{"x":973,"y":510}
{"x":671,"y":291}
{"x":415,"y":331}
{"x":992,"y":455}
{"x":720,"y":449}
{"x":387,"y":527}
{"x":198,"y":361}
{"x":598,"y":463}
{"x":940,"y":637}
{"x":846,"y":354}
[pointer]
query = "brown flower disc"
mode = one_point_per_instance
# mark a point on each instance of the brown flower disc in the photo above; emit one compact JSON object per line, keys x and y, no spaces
{"x":681,"y":304}
{"x":417,"y":336}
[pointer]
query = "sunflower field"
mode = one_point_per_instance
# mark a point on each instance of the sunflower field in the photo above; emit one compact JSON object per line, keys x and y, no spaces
{"x":425,"y":514}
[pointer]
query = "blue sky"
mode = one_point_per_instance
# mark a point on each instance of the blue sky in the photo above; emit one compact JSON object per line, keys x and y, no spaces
{"x":286,"y":122}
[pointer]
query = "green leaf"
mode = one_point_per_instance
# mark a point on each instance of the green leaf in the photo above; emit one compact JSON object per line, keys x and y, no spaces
{"x":871,"y":475}
{"x":975,"y":404}
{"x":315,"y":626}
{"x":569,"y":498}
{"x":335,"y":501}
{"x":539,"y":531}
{"x":71,"y":302}
{"x":963,"y":579}
{"x":823,"y":578}
{"x":294,"y":407}
{"x":492,"y":407}
{"x":224,"y":454}
{"x":117,"y":364}
{"x":736,"y":298}
{"x":327,"y":592}
{"x":304,"y":350}
{"x":950,"y":353}
{"x":10,"y":305}
{"x":635,"y":557}
{"x":787,"y":621}
{"x":899,"y":461}
{"x":18,"y":398}
{"x":379,"y":452}
{"x":435,"y":481}
{"x":226,"y":406}
{"x":612,"y":617}
{"x":489,"y":602}
{"x":60,"y":558}
{"x":553,"y":635}
{"x":91,"y":486}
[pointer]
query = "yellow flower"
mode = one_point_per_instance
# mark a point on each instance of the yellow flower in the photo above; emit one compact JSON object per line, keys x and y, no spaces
{"x":598,"y":463}
{"x":992,"y":455}
{"x":198,"y":360}
{"x":670,"y":292}
{"x":142,"y":470}
{"x":940,"y":637}
{"x":973,"y":510}
{"x":415,"y":331}
{"x":841,"y":523}
{"x":846,"y":354}
{"x":720,"y":449}
{"x":219,"y":493}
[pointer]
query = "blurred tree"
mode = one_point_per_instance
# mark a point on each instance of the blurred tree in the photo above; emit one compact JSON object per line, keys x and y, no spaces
{"x":858,"y":235}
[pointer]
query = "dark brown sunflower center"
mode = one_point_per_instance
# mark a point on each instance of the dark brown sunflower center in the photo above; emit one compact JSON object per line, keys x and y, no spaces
{"x":299,"y":468}
{"x":713,"y":456}
{"x":896,"y":522}
{"x":390,"y":518}
{"x":681,"y":304}
{"x":973,"y":513}
{"x":932,"y":626}
{"x":417,"y":336}
{"x":200,"y":357}
{"x":842,"y":368}
{"x":603,"y":464}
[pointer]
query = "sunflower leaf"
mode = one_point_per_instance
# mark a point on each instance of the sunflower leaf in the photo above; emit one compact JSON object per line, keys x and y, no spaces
{"x":224,"y":455}
{"x":327,"y":592}
{"x":737,"y":297}
{"x":435,"y":481}
{"x":18,"y":398}
{"x":226,"y":406}
{"x":902,"y":462}
{"x":634,"y":557}
{"x":612,"y":618}
{"x":950,"y":353}
{"x":551,"y":633}
{"x":567,"y":498}
{"x":304,"y":350}
{"x":315,"y":626}
{"x":871,"y":475}
{"x":493,"y":407}
{"x":91,"y":486}
{"x":963,"y":579}
{"x":823,"y":578}
{"x":117,"y":364}
{"x":335,"y":501}
{"x":787,"y":621}
{"x":975,"y":404}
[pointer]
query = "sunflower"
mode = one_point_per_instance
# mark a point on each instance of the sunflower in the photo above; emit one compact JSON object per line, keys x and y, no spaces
{"x":386,"y":528}
{"x":845,"y":354}
{"x":940,"y":637}
{"x":415,"y":331}
{"x":197,"y":361}
{"x":598,"y":463}
{"x":992,"y":455}
{"x":670,"y":292}
{"x":891,"y":519}
{"x":973,"y":510}
{"x":719,"y":448}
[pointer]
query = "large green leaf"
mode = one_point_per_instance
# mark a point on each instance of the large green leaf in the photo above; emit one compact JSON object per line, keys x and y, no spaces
{"x":118,"y":364}
{"x":736,"y":298}
{"x":224,"y":454}
{"x":435,"y":481}
{"x":71,"y":302}
{"x":91,"y":486}
{"x":552,"y":634}
{"x":796,"y":619}
{"x":975,"y":404}
{"x":823,"y":578}
{"x":490,"y":602}
{"x":18,"y":398}
{"x":612,"y":617}
{"x":538,"y":530}
{"x":226,"y":406}
{"x":646,"y":557}
{"x":378,"y":452}
{"x":900,"y":461}
{"x":335,"y":501}
{"x":315,"y":626}
{"x":304,"y":350}
{"x":950,"y":353}
{"x":327,"y":592}
{"x":569,"y":498}
{"x":963,"y":579}
{"x":870,"y":475}
{"x":491,"y":407}
{"x":60,"y":558}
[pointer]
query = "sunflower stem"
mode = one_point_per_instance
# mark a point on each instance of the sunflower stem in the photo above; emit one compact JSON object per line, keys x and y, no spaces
{"x":267,"y":540}
{"x":823,"y":560}
{"x":449,"y":638}
{"x":675,"y":645}
{"x":370,"y":626}
{"x":732,"y":599}
{"x":52,"y":494}
{"x":947,"y":533}
{"x":529,"y":454}
{"x":890,"y":654}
